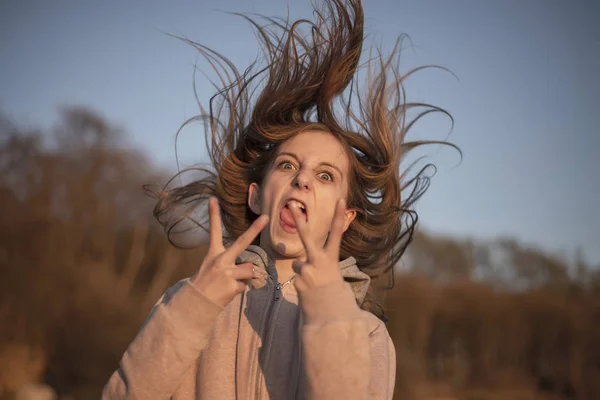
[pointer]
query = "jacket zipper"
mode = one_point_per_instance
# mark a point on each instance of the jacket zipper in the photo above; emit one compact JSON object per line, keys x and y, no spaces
{"x":267,"y":336}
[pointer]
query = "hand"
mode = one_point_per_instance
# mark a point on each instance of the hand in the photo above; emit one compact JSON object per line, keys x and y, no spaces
{"x":219,"y":278}
{"x":322,"y":264}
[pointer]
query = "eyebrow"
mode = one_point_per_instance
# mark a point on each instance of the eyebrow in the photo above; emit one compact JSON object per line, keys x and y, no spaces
{"x":285,"y":153}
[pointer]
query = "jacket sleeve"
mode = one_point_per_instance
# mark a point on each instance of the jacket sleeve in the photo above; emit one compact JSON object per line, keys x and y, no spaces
{"x":167,"y":345}
{"x":349,"y":353}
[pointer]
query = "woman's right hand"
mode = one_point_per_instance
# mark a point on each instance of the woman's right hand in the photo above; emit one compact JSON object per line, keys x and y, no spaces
{"x":219,"y":278}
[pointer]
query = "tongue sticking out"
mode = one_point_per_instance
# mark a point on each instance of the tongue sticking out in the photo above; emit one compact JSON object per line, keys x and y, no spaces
{"x":287,"y":218}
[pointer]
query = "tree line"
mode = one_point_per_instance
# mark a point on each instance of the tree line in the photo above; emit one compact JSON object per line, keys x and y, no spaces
{"x":83,"y":261}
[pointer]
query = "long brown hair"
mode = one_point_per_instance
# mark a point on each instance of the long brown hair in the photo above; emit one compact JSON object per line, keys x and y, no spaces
{"x":310,"y":82}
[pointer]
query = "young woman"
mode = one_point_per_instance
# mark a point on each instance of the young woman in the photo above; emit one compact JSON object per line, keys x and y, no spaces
{"x":307,"y":188}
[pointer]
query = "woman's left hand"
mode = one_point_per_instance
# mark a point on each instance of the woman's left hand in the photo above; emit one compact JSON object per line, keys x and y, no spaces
{"x":322,"y":264}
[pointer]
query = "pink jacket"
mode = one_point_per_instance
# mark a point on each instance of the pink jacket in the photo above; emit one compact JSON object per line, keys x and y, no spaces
{"x":266,"y":344}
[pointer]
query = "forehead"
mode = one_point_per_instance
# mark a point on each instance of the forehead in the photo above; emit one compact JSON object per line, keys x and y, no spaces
{"x":317,"y":146}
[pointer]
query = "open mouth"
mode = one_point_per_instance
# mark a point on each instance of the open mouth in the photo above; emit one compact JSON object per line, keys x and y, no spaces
{"x":285,"y":217}
{"x":300,"y":205}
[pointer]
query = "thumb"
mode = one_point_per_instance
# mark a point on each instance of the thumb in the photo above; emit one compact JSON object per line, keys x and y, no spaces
{"x":247,"y":266}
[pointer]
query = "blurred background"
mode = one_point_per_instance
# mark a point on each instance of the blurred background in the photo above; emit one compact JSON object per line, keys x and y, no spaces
{"x":499,"y":294}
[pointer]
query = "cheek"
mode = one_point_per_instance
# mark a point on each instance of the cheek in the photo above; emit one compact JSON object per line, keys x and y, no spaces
{"x":268,"y":194}
{"x":325,"y":216}
{"x":344,"y":191}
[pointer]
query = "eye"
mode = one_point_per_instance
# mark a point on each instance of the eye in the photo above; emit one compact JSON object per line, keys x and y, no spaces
{"x":286,"y":164}
{"x":326,"y":176}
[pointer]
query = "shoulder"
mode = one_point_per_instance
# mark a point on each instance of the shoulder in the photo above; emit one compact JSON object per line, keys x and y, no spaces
{"x":375,"y":325}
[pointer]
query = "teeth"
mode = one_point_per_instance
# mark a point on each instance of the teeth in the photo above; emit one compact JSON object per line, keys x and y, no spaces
{"x":300,"y":205}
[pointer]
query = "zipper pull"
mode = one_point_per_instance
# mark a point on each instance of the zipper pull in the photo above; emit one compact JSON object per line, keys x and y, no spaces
{"x":277,"y":291}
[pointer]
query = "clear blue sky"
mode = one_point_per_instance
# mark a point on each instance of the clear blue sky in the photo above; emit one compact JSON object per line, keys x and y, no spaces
{"x":526,"y":103}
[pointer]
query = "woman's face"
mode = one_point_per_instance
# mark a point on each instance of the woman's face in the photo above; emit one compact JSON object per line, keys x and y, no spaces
{"x":311,"y":168}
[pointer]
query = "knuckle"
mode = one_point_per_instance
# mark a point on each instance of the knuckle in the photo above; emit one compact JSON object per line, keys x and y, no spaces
{"x":320,"y":258}
{"x":219,"y":261}
{"x":241,"y":287}
{"x":237,"y":287}
{"x":243,"y":273}
{"x":231,"y":287}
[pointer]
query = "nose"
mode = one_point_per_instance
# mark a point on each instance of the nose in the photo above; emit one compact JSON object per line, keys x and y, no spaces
{"x":302,"y":181}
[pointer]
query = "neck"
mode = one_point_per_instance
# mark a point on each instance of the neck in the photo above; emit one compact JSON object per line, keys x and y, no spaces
{"x":284,"y":268}
{"x":283,"y":264}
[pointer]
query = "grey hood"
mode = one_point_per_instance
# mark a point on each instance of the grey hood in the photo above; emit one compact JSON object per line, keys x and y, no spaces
{"x":358,"y":280}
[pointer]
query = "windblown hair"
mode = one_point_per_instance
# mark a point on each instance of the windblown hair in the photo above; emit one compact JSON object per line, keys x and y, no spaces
{"x":310,"y":82}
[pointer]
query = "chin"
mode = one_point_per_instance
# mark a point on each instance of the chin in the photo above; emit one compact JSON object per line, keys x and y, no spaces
{"x":286,"y":247}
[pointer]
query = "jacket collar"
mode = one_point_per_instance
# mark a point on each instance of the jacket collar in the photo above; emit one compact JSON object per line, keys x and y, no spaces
{"x":358,"y":280}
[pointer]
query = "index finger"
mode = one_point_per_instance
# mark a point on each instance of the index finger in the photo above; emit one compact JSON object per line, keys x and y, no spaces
{"x":334,"y":240}
{"x":216,"y":234}
{"x":246,"y":238}
{"x":301,"y":226}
